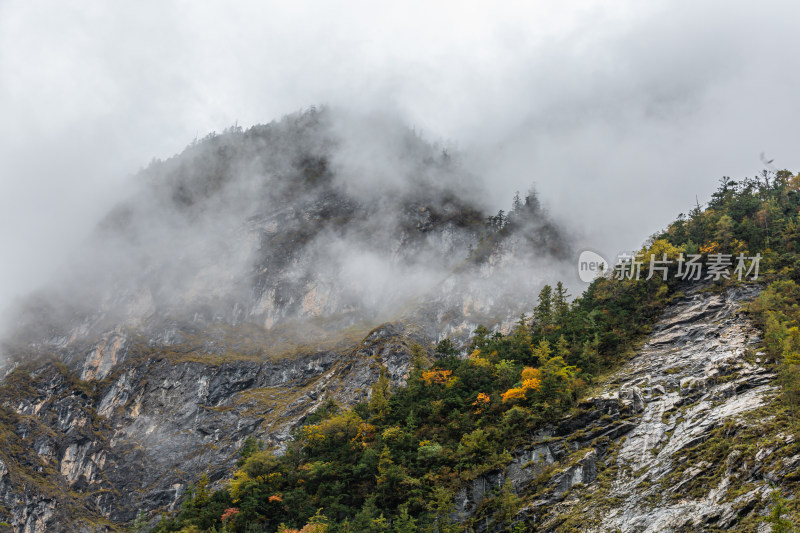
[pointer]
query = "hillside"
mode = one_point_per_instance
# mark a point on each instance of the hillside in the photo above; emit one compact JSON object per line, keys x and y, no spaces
{"x":247,"y":281}
{"x":265,"y":337}
{"x":661,"y":404}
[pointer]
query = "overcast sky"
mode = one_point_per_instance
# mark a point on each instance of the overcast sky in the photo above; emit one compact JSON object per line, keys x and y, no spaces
{"x":620,"y":114}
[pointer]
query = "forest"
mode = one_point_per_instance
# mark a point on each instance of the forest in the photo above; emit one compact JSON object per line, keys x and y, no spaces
{"x":394,"y":463}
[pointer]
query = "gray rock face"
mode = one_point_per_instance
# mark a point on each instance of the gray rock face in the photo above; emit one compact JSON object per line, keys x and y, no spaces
{"x":258,"y":280}
{"x":469,"y":497}
{"x":155,"y":424}
{"x":695,"y":373}
{"x":250,"y":279}
{"x":631,"y":400}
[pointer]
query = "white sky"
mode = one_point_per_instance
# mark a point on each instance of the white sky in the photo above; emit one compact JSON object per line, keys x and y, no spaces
{"x":620,"y":112}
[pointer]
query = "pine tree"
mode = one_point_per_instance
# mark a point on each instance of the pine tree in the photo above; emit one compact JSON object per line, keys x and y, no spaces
{"x":724,"y":232}
{"x":405,"y":523}
{"x":589,"y":359}
{"x":417,"y":361}
{"x":140,"y":525}
{"x":780,"y":524}
{"x":516,"y":208}
{"x":560,"y":303}
{"x":508,"y":504}
{"x":543,"y":313}
{"x":501,"y":219}
{"x":446,"y":349}
{"x":520,"y":339}
{"x":441,"y":506}
{"x":389,"y":480}
{"x":250,"y":446}
{"x":532,"y":204}
{"x":412,"y":421}
{"x":202,"y":495}
{"x":562,"y":348}
{"x":541,"y":353}
{"x":363,"y":520}
{"x":379,"y":400}
{"x":480,"y":338}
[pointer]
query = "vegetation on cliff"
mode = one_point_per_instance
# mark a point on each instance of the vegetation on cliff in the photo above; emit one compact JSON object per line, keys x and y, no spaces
{"x":396,"y":462}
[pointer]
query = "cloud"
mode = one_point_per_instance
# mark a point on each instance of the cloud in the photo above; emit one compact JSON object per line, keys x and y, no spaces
{"x":620,"y":114}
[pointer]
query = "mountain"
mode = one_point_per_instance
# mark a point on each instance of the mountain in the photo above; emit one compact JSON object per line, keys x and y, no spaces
{"x":242,"y":284}
{"x":316,"y":325}
{"x":297,"y":221}
{"x":649,"y":403}
{"x":672,"y":441}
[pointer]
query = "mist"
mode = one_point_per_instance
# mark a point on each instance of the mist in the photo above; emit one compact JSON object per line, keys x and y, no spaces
{"x":622,"y":116}
{"x":322,"y":221}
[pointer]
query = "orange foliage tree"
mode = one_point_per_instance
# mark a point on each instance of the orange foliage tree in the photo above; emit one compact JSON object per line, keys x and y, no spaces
{"x":436,"y":376}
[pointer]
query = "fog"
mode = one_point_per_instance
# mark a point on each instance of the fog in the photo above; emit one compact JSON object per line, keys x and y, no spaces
{"x":325,"y":218}
{"x":621,"y":115}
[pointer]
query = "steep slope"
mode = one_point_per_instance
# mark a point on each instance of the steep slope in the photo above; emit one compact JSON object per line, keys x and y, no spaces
{"x":286,"y":224}
{"x":681,"y":438}
{"x":246,"y":282}
{"x":106,"y":449}
{"x":259,"y":320}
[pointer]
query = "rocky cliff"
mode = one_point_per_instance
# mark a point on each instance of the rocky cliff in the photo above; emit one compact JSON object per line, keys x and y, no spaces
{"x":245,"y":282}
{"x":684,"y":437}
{"x":261,"y":274}
{"x":88,"y":454}
{"x":681,"y":438}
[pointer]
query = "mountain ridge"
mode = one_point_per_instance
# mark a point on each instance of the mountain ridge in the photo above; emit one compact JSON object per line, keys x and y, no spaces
{"x":247,"y":302}
{"x":266,"y":327}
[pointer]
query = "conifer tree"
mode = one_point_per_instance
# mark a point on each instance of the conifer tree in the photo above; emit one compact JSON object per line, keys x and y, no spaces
{"x":379,"y":400}
{"x":543,"y":312}
{"x":560,"y":303}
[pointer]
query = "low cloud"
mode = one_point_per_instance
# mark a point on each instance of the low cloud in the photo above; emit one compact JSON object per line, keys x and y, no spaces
{"x":621,"y":115}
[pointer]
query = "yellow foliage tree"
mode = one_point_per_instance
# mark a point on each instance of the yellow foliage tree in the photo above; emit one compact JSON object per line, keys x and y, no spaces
{"x":531,"y":373}
{"x":710,"y":248}
{"x":513,"y":394}
{"x":531,"y":384}
{"x":659,"y":248}
{"x":481,"y":403}
{"x":344,"y":427}
{"x":531,"y":379}
{"x":436,"y":376}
